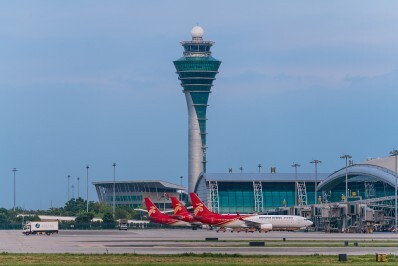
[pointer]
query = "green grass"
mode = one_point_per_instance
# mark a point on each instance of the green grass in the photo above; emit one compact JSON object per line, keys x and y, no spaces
{"x":294,"y":243}
{"x":184,"y":259}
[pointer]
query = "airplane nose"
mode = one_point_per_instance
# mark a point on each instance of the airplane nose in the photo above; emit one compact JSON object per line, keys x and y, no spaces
{"x":309,"y":223}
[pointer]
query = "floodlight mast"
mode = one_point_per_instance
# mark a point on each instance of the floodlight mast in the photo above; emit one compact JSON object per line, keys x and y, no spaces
{"x":114,"y":192}
{"x":87,"y":167}
{"x":295,"y":165}
{"x":346,"y":157}
{"x":316,"y":178}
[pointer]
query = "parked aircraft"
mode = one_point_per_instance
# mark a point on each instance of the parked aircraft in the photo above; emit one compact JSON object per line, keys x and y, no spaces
{"x":181,"y":213}
{"x":158,"y":217}
{"x":262,"y":223}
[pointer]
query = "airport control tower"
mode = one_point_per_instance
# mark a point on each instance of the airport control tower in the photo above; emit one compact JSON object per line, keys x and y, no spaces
{"x":196,"y":70}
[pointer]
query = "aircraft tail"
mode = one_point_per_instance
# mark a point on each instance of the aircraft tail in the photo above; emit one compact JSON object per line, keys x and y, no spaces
{"x":199,"y":207}
{"x":178,"y":208}
{"x":151,"y":207}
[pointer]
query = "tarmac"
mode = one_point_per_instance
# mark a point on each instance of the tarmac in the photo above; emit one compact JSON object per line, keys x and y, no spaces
{"x":178,"y":241}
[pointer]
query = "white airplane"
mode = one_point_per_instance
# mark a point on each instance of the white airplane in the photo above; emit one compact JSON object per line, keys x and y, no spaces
{"x":262,"y":223}
{"x":279,"y":222}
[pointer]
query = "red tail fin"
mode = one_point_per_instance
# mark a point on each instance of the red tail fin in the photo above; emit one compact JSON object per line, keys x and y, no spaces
{"x":178,"y":208}
{"x":151,"y":207}
{"x":198,"y":206}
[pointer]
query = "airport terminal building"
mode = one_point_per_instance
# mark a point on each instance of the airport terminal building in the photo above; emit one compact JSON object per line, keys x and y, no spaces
{"x":261,"y":192}
{"x":132,"y":193}
{"x":256,"y":192}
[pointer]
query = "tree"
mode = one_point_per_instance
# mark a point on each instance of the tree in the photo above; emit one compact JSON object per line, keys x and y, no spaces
{"x":4,"y":218}
{"x":108,"y":218}
{"x":84,"y":217}
{"x":74,"y":206}
{"x":122,"y":213}
{"x":100,"y":208}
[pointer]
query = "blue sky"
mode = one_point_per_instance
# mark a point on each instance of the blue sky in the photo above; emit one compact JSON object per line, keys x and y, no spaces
{"x":92,"y":82}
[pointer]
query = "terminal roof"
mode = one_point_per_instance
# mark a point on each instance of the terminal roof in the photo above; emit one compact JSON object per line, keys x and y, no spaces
{"x":265,"y":177}
{"x":147,"y":183}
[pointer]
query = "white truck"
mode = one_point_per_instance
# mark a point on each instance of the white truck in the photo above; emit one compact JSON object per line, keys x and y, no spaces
{"x":42,"y":227}
{"x":123,"y":224}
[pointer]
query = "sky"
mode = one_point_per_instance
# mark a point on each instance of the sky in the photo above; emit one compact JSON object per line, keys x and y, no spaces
{"x":93,"y":83}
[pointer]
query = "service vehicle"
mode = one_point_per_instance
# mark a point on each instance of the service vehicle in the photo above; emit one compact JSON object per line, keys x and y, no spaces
{"x":42,"y":227}
{"x":123,"y":224}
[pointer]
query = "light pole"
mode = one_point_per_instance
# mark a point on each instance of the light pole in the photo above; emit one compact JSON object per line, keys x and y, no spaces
{"x":181,"y":190}
{"x":346,"y":157}
{"x":14,"y":170}
{"x":87,"y":167}
{"x":114,"y":180}
{"x":316,"y":178}
{"x":78,"y":187}
{"x":68,"y":187}
{"x":395,"y":154}
{"x":259,"y":167}
{"x":73,"y":191}
{"x":295,"y":165}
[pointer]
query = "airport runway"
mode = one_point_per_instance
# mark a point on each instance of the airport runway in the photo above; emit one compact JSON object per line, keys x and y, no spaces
{"x":177,"y":241}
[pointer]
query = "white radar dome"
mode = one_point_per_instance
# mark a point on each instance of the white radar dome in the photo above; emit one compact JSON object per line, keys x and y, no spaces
{"x":197,"y":32}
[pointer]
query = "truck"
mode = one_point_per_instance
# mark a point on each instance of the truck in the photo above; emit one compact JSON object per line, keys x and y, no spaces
{"x":42,"y":227}
{"x":123,"y":224}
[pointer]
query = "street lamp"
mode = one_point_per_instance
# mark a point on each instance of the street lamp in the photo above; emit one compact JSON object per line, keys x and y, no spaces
{"x":68,"y":187}
{"x":73,"y":191}
{"x":14,"y":170}
{"x":395,"y":154}
{"x":87,"y":167}
{"x":295,"y":165}
{"x":346,"y":157}
{"x":181,"y":190}
{"x":259,"y":167}
{"x":316,"y":178}
{"x":78,"y":187}
{"x":114,"y":179}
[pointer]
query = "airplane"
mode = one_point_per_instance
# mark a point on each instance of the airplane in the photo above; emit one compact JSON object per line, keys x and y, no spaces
{"x":181,"y":213}
{"x":158,"y":217}
{"x":250,"y":222}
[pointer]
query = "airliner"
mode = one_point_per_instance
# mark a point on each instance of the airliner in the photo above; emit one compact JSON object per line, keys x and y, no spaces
{"x":158,"y":217}
{"x":181,"y":213}
{"x":262,"y":223}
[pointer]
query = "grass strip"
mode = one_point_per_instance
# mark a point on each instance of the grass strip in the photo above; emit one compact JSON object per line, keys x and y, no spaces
{"x":184,"y":259}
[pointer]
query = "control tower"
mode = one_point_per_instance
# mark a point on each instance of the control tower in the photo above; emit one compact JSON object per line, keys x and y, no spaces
{"x":196,"y":70}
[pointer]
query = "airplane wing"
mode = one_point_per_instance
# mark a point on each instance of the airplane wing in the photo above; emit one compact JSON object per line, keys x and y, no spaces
{"x":141,"y":210}
{"x":251,"y":223}
{"x":261,"y":226}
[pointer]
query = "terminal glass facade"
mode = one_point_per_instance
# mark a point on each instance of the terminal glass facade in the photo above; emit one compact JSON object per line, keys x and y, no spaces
{"x":239,"y":196}
{"x":132,"y":194}
{"x":231,"y":193}
{"x":360,"y":190}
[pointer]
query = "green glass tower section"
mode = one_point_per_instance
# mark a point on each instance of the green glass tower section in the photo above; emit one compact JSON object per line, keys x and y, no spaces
{"x":196,"y":70}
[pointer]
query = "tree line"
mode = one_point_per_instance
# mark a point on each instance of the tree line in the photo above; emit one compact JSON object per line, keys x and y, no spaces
{"x":76,"y":207}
